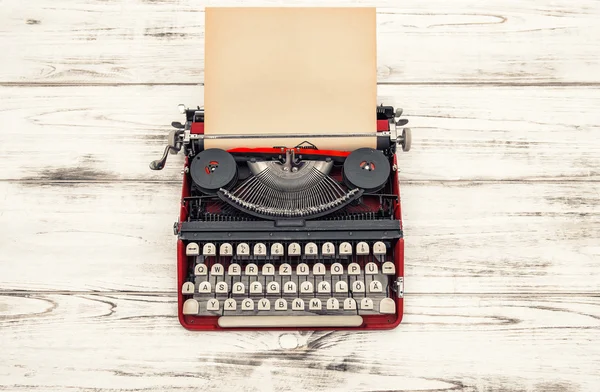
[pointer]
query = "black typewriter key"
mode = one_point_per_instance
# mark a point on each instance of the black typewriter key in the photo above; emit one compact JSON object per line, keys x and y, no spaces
{"x":366,"y":169}
{"x":212,"y":170}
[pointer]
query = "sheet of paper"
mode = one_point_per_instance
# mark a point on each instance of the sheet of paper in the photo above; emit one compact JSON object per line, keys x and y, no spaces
{"x":290,"y":71}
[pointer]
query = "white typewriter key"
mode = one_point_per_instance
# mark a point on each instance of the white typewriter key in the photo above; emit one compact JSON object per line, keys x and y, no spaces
{"x":248,"y":304}
{"x":387,"y":306}
{"x":349,"y":304}
{"x":243,"y":249}
{"x":358,"y":286}
{"x":221,"y":288}
{"x":314,"y":304}
{"x":281,"y":304}
{"x":191,"y":306}
{"x":362,"y":248}
{"x":375,"y":287}
{"x":371,"y":269}
{"x":319,"y":269}
{"x":337,"y":269}
{"x":217,"y":269}
{"x":238,"y":288}
{"x":310,"y":249}
{"x":328,"y":249}
{"x":192,"y":249}
{"x":388,"y":268}
{"x":333,"y":304}
{"x":234,"y":269}
{"x":264,"y":304}
{"x":302,"y":269}
{"x":298,"y":304}
{"x":273,"y":288}
{"x":354,"y":269}
{"x":294,"y":249}
{"x":324,"y":287}
{"x":212,"y":304}
{"x":187,"y":288}
{"x":209,"y":249}
{"x":345,"y":249}
{"x":230,"y":304}
{"x":341,"y":287}
{"x":366,"y":304}
{"x":204,"y":287}
{"x":277,"y":249}
{"x":379,"y":248}
{"x":285,"y":269}
{"x":251,"y":269}
{"x":260,"y":249}
{"x":290,"y":288}
{"x":306,"y":287}
{"x":256,"y":288}
{"x":268,"y":269}
{"x":200,"y":269}
{"x":226,"y":249}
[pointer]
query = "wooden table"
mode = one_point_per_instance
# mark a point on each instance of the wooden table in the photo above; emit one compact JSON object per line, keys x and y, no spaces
{"x":501,"y":202}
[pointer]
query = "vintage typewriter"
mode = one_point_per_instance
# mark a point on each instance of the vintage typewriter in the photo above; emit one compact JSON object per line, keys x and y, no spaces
{"x":289,"y":237}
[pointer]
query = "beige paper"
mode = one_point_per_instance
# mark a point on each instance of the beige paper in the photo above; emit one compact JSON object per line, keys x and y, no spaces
{"x":290,"y":71}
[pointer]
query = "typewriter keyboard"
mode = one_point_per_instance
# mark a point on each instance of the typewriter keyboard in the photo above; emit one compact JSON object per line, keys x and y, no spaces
{"x":289,"y":284}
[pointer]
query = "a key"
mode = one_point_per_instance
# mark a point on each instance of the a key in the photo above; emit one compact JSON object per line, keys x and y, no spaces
{"x":333,"y":304}
{"x":314,"y":304}
{"x":285,"y":269}
{"x":379,"y":248}
{"x":354,"y":269}
{"x":217,"y":269}
{"x":248,"y":304}
{"x":277,"y":249}
{"x":204,"y":287}
{"x":337,"y":269}
{"x":230,"y":304}
{"x":324,"y":287}
{"x":200,"y":269}
{"x":298,"y":304}
{"x":260,"y":249}
{"x":264,"y":304}
{"x":234,"y":269}
{"x":187,"y":288}
{"x":221,"y":288}
{"x":345,"y":249}
{"x":366,"y":304}
{"x":387,"y":306}
{"x":388,"y":268}
{"x":349,"y":304}
{"x":310,"y":249}
{"x":191,"y":306}
{"x":341,"y":287}
{"x":273,"y":288}
{"x":256,"y":287}
{"x":243,"y":250}
{"x":251,"y":269}
{"x":238,"y":288}
{"x":375,"y":287}
{"x":302,"y":269}
{"x":213,"y":304}
{"x":268,"y":269}
{"x":358,"y":286}
{"x":290,"y":287}
{"x":280,"y":304}
{"x":192,"y":249}
{"x":319,"y":269}
{"x":209,"y":249}
{"x":306,"y":287}
{"x":362,"y":248}
{"x":226,"y":249}
{"x":294,"y":249}
{"x":328,"y":249}
{"x":371,"y":268}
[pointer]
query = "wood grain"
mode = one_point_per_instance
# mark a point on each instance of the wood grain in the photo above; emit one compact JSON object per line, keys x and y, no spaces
{"x":161,"y":42}
{"x":459,"y":133}
{"x":116,"y":342}
{"x":462,"y":237}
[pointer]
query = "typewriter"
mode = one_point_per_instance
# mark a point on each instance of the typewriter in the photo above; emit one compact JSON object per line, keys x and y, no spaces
{"x":289,"y":237}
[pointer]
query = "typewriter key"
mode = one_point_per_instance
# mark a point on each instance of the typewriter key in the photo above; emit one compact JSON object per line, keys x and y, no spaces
{"x":213,"y":169}
{"x":366,"y":169}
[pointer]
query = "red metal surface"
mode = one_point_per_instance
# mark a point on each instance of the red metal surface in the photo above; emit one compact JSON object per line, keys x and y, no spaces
{"x":279,"y":151}
{"x":383,"y":125}
{"x":197,"y":128}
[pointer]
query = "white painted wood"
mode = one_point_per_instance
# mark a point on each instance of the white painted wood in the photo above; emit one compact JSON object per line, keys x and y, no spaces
{"x":466,"y":133}
{"x":122,"y":41}
{"x":110,"y":342}
{"x":461,"y":237}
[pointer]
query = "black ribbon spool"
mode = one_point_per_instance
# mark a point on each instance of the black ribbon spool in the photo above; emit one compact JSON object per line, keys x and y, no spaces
{"x":367,"y":169}
{"x":213,"y":169}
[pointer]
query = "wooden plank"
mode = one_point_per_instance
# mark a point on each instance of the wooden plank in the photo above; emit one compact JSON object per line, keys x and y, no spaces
{"x":114,"y":342}
{"x":501,"y":42}
{"x":461,"y":237}
{"x":459,"y":133}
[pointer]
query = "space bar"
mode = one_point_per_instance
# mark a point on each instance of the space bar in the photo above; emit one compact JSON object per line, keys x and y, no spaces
{"x":289,"y":321}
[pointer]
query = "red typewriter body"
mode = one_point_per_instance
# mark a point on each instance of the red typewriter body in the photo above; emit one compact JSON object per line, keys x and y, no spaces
{"x":224,"y":221}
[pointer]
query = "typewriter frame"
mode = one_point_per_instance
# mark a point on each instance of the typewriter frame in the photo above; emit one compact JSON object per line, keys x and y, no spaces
{"x":195,"y":126}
